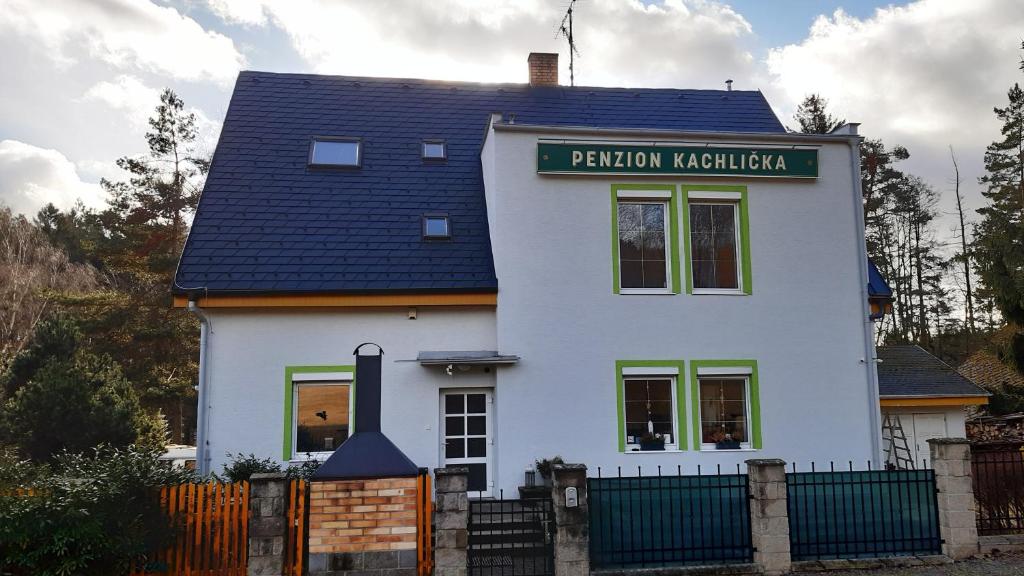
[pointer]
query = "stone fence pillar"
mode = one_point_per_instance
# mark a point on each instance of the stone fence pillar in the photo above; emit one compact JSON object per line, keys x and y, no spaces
{"x":769,"y":516}
{"x":267,"y":524}
{"x":951,"y":459}
{"x":572,"y":535}
{"x":451,"y":521}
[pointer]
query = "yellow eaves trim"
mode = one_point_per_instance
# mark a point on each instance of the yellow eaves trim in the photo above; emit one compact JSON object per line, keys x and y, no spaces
{"x":933,"y":401}
{"x":340,"y":300}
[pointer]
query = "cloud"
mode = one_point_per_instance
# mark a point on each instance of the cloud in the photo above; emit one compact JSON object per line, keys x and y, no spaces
{"x":129,"y":95}
{"x":669,"y":43}
{"x":925,"y":75}
{"x":31,"y":176}
{"x":125,"y":34}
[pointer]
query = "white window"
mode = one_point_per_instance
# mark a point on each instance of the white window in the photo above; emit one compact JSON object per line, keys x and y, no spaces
{"x":321,"y":417}
{"x":435,"y":150}
{"x":649,"y":402}
{"x":714,"y":246}
{"x":724,"y":411}
{"x":643,"y":230}
{"x":344,"y":152}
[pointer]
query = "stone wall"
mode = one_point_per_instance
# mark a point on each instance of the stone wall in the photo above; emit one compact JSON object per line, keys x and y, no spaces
{"x":951,"y":460}
{"x":769,"y":515}
{"x":451,"y":521}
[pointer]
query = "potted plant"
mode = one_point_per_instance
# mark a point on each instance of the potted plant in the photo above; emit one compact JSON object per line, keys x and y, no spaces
{"x":545,"y":465}
{"x":651,"y":441}
{"x":727,"y":443}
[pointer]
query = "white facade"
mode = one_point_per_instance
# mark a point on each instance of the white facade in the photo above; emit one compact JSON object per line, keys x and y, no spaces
{"x":804,"y":323}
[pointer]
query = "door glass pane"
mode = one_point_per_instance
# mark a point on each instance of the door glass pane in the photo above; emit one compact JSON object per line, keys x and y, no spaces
{"x":476,"y":425}
{"x":476,"y":447}
{"x":454,"y":426}
{"x":476,"y":403}
{"x":453,"y":403}
{"x":477,"y":477}
{"x":321,"y":417}
{"x":454,"y":448}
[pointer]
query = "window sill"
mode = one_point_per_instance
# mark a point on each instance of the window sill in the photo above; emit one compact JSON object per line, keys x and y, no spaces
{"x":719,"y":292}
{"x":713,"y":449}
{"x":645,"y":291}
{"x":667,"y":449}
{"x":309,"y":456}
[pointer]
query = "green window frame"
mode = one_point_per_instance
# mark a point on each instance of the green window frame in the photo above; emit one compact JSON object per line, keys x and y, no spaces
{"x":289,"y":394}
{"x":673,"y":231}
{"x":755,"y":400}
{"x":744,"y":245}
{"x":620,"y":394}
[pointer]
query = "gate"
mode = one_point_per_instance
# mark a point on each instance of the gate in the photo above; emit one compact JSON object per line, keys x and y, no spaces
{"x":511,"y":537}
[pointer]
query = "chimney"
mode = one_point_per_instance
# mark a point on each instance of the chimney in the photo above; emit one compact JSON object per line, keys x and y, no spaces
{"x":368,"y":453}
{"x":543,"y":69}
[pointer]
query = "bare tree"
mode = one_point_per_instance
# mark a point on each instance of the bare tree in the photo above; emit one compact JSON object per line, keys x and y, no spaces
{"x":964,"y":254}
{"x":33,"y":274}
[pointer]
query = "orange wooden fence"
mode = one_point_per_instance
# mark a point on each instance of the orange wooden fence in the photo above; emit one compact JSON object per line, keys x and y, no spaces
{"x":298,"y":515}
{"x":424,"y":526}
{"x":212,"y":530}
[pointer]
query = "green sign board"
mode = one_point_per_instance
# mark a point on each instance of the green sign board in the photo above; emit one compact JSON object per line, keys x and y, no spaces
{"x":670,"y":160}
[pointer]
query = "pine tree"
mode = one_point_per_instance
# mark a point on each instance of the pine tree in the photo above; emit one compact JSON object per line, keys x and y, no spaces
{"x":999,"y":237}
{"x":814,"y":118}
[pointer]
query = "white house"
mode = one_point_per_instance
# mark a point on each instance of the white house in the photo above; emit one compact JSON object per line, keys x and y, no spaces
{"x":585,"y":272}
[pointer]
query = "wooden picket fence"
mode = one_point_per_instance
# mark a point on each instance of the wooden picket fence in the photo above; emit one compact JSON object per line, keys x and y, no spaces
{"x":424,"y":525}
{"x":211,"y":523}
{"x":298,"y":516}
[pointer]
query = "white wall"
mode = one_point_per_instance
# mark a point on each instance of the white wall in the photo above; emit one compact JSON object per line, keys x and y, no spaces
{"x":551,"y":239}
{"x":249,"y":351}
{"x":556,"y":308}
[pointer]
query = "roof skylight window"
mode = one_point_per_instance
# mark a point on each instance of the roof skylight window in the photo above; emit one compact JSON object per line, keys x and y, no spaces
{"x":343,"y":152}
{"x":435,"y":150}
{"x":435,"y":227}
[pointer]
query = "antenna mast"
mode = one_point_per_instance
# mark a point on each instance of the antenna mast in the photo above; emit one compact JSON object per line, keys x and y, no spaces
{"x":565,"y":29}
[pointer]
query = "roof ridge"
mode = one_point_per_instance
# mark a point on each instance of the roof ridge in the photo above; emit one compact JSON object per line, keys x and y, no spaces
{"x":307,"y":75}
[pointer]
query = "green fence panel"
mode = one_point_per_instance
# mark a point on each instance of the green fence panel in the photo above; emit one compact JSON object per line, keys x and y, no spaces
{"x":862,"y":514}
{"x":653,"y":521}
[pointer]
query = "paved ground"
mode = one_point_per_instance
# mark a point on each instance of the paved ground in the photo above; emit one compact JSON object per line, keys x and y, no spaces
{"x":1003,"y":565}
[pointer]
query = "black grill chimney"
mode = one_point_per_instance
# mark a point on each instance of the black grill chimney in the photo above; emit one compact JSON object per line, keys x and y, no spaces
{"x":368,"y":453}
{"x":368,"y":389}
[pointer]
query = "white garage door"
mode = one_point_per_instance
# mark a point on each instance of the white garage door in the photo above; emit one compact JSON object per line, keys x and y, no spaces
{"x":926,"y":427}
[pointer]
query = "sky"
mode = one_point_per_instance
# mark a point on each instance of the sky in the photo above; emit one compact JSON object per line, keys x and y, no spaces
{"x":80,"y":77}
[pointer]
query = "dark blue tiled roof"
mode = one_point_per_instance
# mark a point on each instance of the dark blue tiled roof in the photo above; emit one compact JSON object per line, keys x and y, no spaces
{"x":877,"y":286}
{"x":269,"y":223}
{"x":908,"y":370}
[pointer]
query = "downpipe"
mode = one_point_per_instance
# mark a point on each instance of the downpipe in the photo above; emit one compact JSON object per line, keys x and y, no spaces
{"x":869,"y":360}
{"x":203,"y":412}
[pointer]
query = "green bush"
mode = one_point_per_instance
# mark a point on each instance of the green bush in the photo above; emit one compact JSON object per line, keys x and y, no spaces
{"x":95,"y":513}
{"x":243,"y":466}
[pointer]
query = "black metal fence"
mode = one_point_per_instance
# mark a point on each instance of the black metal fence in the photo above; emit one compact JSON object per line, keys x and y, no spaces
{"x":862,"y":514}
{"x":513,"y":537}
{"x":667,"y":520}
{"x":998,"y":471}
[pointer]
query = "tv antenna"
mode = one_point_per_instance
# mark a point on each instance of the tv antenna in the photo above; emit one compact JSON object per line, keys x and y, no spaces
{"x":565,"y":29}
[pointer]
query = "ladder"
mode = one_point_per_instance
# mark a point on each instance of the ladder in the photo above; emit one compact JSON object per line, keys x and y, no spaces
{"x":897,"y":452}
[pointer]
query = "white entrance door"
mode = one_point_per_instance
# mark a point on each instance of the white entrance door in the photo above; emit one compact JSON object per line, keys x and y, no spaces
{"x":467,"y":437}
{"x":926,"y":427}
